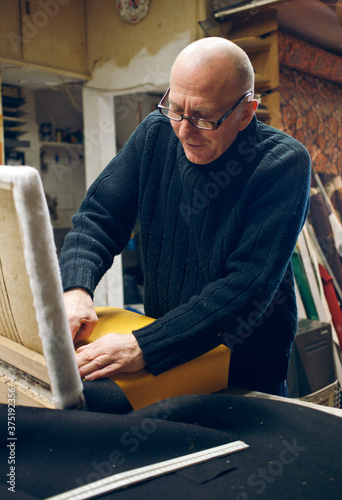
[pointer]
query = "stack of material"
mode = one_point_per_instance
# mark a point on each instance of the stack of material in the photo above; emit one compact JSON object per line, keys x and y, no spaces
{"x":317,"y":262}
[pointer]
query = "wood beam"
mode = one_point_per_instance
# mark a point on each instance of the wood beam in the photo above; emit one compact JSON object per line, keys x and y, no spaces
{"x":339,"y":12}
{"x":253,"y":5}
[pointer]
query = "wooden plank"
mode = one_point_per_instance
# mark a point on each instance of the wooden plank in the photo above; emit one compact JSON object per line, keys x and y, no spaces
{"x":253,"y":25}
{"x":339,"y":12}
{"x":252,"y":43}
{"x":25,"y":359}
{"x":18,"y":320}
{"x":255,"y":5}
{"x":2,"y":148}
{"x":55,"y":36}
{"x":23,"y":395}
{"x":10,"y":39}
{"x":266,"y":62}
{"x":256,"y":33}
{"x":272,"y":103}
{"x":65,"y":74}
{"x":261,"y":82}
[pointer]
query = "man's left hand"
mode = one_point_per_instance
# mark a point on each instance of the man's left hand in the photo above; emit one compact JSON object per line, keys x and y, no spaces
{"x":114,"y":353}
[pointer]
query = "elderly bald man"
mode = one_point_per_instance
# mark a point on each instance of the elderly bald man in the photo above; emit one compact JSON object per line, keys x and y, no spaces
{"x":221,"y":199}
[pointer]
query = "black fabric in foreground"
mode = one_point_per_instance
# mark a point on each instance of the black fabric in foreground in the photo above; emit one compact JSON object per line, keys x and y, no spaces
{"x":105,"y":396}
{"x":295,"y":451}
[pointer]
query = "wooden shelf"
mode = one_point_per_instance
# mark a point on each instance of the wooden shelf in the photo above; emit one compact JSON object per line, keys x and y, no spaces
{"x":13,"y":143}
{"x":12,"y":102}
{"x":242,"y":10}
{"x":263,"y":113}
{"x":253,"y":43}
{"x":257,"y":35}
{"x":12,"y":128}
{"x":12,"y":112}
{"x":54,"y":144}
{"x":13,"y":121}
{"x":261,"y":80}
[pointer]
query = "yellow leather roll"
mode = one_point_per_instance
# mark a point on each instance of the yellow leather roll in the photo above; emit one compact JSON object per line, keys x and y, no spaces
{"x":203,"y":375}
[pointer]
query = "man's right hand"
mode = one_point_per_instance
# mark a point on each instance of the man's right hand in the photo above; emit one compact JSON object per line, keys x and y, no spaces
{"x":80,"y":313}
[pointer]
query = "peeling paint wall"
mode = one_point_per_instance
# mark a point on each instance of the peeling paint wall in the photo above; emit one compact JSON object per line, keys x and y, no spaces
{"x":126,"y":57}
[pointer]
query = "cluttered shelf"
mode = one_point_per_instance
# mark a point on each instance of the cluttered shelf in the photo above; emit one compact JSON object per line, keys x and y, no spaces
{"x":61,"y":144}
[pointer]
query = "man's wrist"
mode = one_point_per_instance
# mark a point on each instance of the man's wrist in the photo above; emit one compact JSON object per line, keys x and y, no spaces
{"x":81,"y":290}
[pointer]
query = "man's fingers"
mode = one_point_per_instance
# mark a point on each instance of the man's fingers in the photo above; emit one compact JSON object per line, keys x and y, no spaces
{"x":105,"y":372}
{"x":80,"y":313}
{"x":93,"y":364}
{"x":81,"y":348}
{"x":109,"y":355}
{"x":84,"y":330}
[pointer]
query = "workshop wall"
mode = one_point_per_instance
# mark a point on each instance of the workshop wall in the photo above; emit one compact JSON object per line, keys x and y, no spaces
{"x":130,"y":56}
{"x":90,"y":39}
{"x":45,"y":34}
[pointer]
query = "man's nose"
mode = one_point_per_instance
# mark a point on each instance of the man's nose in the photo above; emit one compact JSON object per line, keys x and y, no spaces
{"x":186,"y":128}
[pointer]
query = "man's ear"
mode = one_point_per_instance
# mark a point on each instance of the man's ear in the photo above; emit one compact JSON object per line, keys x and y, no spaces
{"x":247,"y":113}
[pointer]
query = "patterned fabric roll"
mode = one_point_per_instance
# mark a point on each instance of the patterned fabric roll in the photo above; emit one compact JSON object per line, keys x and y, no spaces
{"x":319,"y":216}
{"x":334,"y":307}
{"x":303,"y":286}
{"x":336,"y":200}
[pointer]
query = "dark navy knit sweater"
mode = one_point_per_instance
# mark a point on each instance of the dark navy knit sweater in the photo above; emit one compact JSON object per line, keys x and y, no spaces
{"x":216,"y":239}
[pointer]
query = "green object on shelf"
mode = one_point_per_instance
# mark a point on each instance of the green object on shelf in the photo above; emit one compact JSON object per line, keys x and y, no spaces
{"x":303,"y":285}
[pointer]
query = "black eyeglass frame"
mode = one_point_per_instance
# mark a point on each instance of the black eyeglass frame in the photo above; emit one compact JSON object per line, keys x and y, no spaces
{"x":215,"y":124}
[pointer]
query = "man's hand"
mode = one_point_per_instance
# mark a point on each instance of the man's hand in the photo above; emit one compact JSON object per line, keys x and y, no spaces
{"x":114,"y":353}
{"x":80,"y":313}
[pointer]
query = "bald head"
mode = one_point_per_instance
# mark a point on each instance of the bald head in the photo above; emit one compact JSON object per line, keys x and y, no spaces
{"x":218,"y":59}
{"x":210,"y":80}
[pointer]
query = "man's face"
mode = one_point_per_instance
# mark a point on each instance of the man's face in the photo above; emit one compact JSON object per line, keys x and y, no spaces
{"x":205,"y":101}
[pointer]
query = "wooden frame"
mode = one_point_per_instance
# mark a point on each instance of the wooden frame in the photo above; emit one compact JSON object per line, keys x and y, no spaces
{"x":35,"y":341}
{"x":36,"y":351}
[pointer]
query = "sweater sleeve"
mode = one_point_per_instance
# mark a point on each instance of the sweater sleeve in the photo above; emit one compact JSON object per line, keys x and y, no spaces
{"x":277,"y":204}
{"x":103,"y":225}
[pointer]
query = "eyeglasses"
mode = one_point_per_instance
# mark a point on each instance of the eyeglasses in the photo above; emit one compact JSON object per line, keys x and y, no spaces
{"x":201,"y":123}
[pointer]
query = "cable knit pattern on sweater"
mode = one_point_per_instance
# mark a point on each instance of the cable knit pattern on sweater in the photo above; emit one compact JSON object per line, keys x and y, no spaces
{"x":216,"y":239}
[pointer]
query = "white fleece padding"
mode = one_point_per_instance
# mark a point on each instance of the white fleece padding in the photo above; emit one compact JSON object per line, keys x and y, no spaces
{"x":44,"y":276}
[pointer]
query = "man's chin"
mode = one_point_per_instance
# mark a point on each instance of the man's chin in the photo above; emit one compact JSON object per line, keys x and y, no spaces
{"x":196,"y":158}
